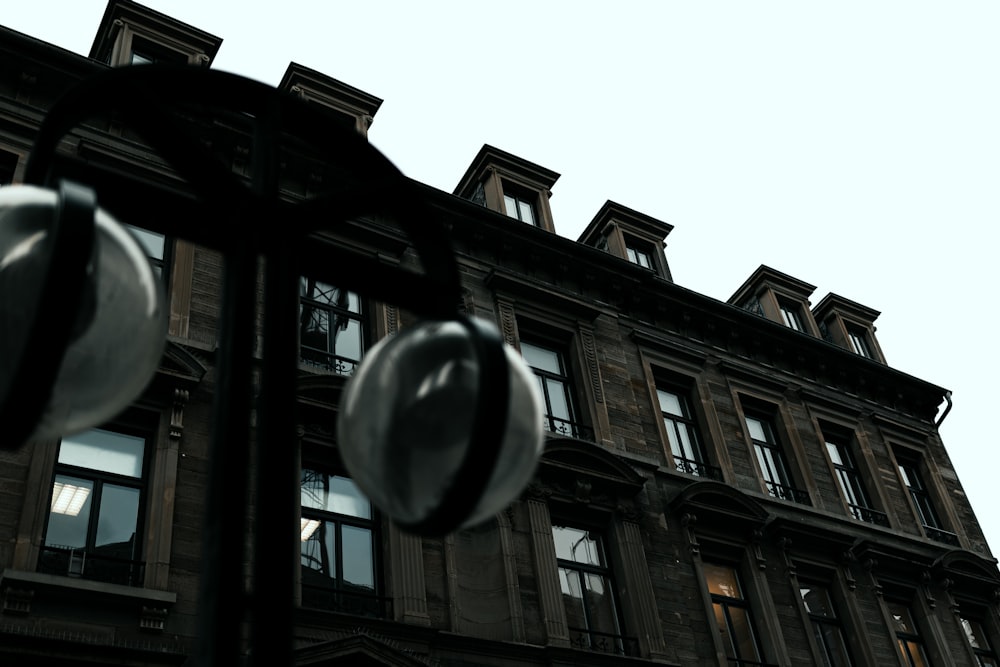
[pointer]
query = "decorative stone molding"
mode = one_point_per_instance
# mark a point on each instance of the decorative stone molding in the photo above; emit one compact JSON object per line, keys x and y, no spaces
{"x":870,"y":566}
{"x":688,"y":521}
{"x":847,"y":559}
{"x":756,"y":545}
{"x":590,"y":355}
{"x":177,"y":413}
{"x":508,"y":323}
{"x":784,"y":546}
{"x":152,"y":619}
{"x":18,"y":601}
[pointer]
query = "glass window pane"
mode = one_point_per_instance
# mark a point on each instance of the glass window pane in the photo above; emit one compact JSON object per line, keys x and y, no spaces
{"x":541,"y":358}
{"x":69,"y":513}
{"x":558,"y":400}
{"x":510,"y":206}
{"x":319,"y":549}
{"x":670,"y":403}
{"x":527,"y":214}
{"x":722,"y":580}
{"x":576,"y":545}
{"x":358,"y":564}
{"x":756,"y":429}
{"x":98,"y":449}
{"x":117,"y":521}
{"x":742,"y":634}
{"x":151,"y":242}
{"x":601,"y":604}
{"x":569,"y":582}
{"x":347,"y":339}
{"x":332,"y":493}
{"x":817,"y":601}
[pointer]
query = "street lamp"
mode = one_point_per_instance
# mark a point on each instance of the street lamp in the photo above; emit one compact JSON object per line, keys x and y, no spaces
{"x":441,"y":425}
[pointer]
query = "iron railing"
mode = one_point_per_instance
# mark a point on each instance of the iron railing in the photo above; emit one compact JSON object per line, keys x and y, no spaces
{"x":942,"y":536}
{"x":868,"y":515}
{"x":785,"y":492}
{"x":603,"y":642}
{"x":697,"y":468}
{"x":567,"y":428}
{"x":83,"y":564}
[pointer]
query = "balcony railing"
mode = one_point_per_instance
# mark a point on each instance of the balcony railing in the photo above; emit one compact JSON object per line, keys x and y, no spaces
{"x":788,"y":493}
{"x":942,"y":536}
{"x":327,"y":361}
{"x":568,"y":428}
{"x":589,"y":640}
{"x":83,"y":564}
{"x":868,"y":515}
{"x":346,"y":602}
{"x":692,"y":467}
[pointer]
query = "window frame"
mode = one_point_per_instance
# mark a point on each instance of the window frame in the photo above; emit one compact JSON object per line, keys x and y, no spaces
{"x":985,"y":656}
{"x":849,"y":477}
{"x":590,"y":638}
{"x":720,"y":602}
{"x":822,"y":624}
{"x":783,"y":487}
{"x":791,"y":314}
{"x":698,"y":463}
{"x":9,"y":161}
{"x":326,"y":360}
{"x":905,"y":639}
{"x":857,"y":339}
{"x":924,"y":501}
{"x":374,"y":604}
{"x":569,"y":426}
{"x":521,"y":198}
{"x":77,"y":566}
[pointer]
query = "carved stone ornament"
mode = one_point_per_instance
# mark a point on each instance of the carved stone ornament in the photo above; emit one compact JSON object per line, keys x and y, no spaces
{"x":177,"y":413}
{"x":18,"y":601}
{"x":152,"y":619}
{"x":688,"y":521}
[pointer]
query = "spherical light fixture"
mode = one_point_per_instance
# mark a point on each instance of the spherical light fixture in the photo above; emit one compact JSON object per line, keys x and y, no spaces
{"x":82,"y":322}
{"x":442,"y":425}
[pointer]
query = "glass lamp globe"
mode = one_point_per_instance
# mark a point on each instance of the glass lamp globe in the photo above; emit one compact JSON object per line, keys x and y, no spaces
{"x":117,"y":331}
{"x":407,"y":421}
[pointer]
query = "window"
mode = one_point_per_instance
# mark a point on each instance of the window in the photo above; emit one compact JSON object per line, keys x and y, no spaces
{"x":772,"y":463}
{"x":911,"y":646}
{"x":587,"y":590}
{"x":155,"y":247}
{"x":732,"y":614}
{"x":639,"y":253}
{"x":826,"y":628}
{"x":859,"y":341}
{"x":851,"y":486}
{"x":550,"y":369}
{"x":338,"y":546}
{"x":520,"y":206}
{"x":975,"y":633}
{"x":145,"y":52}
{"x":95,"y":515}
{"x":682,"y":433}
{"x":330,"y":327}
{"x":790,"y":315}
{"x":8,"y":164}
{"x":921,"y":497}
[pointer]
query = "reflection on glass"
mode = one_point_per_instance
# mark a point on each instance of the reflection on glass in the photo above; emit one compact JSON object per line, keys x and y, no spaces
{"x":107,"y":451}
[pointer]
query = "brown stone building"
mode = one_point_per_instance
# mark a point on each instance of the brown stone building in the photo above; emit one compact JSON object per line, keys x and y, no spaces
{"x":736,"y":483}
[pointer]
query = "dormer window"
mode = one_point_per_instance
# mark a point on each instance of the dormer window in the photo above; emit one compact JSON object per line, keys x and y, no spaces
{"x":519,"y":205}
{"x":859,"y":341}
{"x":145,"y":52}
{"x":638,"y":253}
{"x":131,"y":34}
{"x":790,"y":314}
{"x":630,"y":235}
{"x":849,"y":325}
{"x":510,"y":185}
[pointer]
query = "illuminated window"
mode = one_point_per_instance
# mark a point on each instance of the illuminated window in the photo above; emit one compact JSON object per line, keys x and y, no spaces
{"x":908,"y":639}
{"x":331,"y":327}
{"x":732,"y":614}
{"x":94,"y":523}
{"x":338,"y":550}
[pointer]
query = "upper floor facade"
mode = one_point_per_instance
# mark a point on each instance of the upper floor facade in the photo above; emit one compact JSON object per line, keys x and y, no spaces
{"x":744,"y":482}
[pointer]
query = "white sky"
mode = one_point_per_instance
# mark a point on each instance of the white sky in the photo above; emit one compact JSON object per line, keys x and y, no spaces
{"x":854,"y":145}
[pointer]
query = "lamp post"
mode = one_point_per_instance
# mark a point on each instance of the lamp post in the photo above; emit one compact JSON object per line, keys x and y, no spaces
{"x":448,"y":369}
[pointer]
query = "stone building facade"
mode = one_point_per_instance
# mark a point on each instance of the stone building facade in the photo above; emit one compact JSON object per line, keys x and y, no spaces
{"x":724,"y":483}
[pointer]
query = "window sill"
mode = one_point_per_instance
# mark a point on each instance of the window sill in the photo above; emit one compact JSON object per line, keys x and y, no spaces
{"x":19,"y":589}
